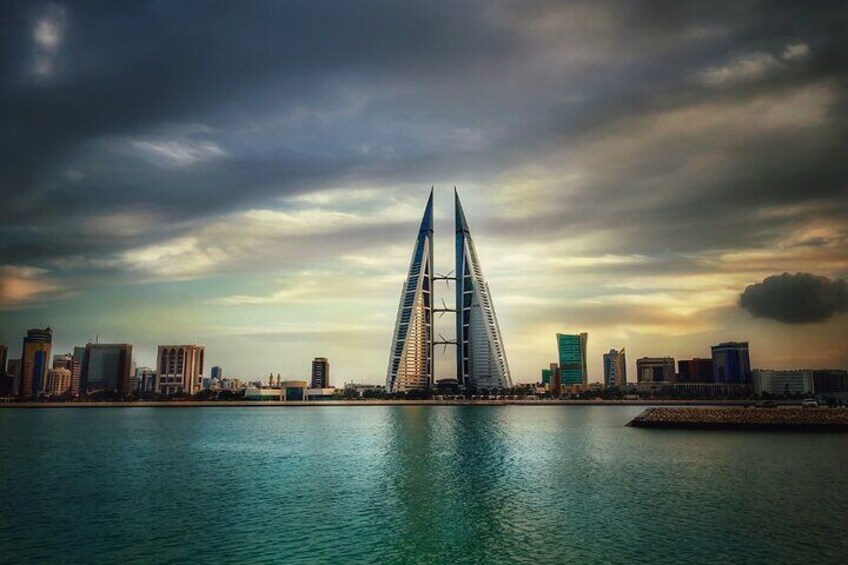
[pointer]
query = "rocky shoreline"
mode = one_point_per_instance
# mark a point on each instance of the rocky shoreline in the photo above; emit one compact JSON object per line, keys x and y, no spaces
{"x":750,"y":419}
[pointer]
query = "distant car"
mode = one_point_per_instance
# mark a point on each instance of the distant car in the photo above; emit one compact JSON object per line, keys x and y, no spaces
{"x":809,"y":403}
{"x":766,"y":404}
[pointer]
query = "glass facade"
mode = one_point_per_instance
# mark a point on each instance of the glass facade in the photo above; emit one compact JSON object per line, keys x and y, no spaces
{"x":731,"y":363}
{"x":572,"y":358}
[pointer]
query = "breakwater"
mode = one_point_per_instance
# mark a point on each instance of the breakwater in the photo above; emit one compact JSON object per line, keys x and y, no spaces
{"x":736,"y":418}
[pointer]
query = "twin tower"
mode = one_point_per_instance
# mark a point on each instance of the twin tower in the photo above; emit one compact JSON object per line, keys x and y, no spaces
{"x":480,"y":356}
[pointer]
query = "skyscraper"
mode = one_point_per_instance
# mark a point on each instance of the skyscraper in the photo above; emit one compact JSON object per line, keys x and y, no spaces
{"x":411,"y":355}
{"x":35,"y":361}
{"x":4,"y":355}
{"x":76,"y":376}
{"x":572,"y":359}
{"x":320,"y":373}
{"x":107,"y":367}
{"x":731,"y":363}
{"x":180,"y":369}
{"x":615,"y":369}
{"x":480,"y":355}
{"x":217,"y":373}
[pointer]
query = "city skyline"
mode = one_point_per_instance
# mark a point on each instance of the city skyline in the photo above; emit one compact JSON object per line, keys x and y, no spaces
{"x":648,"y":180}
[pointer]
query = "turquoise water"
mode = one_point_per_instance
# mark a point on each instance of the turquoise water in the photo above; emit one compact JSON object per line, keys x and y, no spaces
{"x":411,"y":485}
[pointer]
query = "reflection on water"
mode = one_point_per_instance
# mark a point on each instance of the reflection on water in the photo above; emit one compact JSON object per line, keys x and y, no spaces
{"x":410,"y":484}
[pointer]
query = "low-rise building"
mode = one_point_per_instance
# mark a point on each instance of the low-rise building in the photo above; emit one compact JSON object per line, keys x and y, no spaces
{"x":326,"y":393}
{"x":58,"y":381}
{"x":293,"y":390}
{"x":651,"y":370}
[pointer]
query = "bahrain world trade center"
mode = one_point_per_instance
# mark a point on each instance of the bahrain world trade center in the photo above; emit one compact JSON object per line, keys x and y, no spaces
{"x":480,"y":355}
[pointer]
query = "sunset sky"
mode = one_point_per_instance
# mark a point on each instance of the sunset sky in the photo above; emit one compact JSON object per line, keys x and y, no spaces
{"x":249,"y":176}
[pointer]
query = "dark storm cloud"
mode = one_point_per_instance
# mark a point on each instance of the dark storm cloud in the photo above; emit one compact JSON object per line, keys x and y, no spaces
{"x":179,"y":112}
{"x":801,"y":298}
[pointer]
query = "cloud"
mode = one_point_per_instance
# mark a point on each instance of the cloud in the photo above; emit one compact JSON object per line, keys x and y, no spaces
{"x":801,"y":298}
{"x":796,"y":51}
{"x":747,"y":67}
{"x":48,"y":32}
{"x":23,"y":285}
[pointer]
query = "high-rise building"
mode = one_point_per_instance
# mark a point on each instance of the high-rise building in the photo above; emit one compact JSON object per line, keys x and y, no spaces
{"x":7,"y":381}
{"x":655,"y":370}
{"x":35,"y":361}
{"x":615,"y":369}
{"x":217,"y":373}
{"x":107,"y":367}
{"x":480,"y":355}
{"x":695,"y":370}
{"x":13,"y":369}
{"x":76,"y":376}
{"x":411,"y":356}
{"x":572,"y":359}
{"x":320,"y":373}
{"x":180,"y":369}
{"x":58,"y":381}
{"x":731,"y":363}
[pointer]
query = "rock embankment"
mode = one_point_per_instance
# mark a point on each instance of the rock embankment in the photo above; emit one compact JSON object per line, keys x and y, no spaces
{"x":799,"y":419}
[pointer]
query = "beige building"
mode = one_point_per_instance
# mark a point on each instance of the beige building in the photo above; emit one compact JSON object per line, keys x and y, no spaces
{"x":180,"y":369}
{"x":58,"y":381}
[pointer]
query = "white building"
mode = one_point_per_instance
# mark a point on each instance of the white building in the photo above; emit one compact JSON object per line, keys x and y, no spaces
{"x":780,"y":383}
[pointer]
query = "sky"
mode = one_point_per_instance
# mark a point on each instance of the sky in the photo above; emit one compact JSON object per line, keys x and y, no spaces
{"x":249,"y":176}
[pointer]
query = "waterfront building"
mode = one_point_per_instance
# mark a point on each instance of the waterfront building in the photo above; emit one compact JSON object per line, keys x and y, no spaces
{"x":695,"y":370}
{"x":35,"y":361}
{"x":76,"y":378}
{"x":481,"y":361}
{"x":217,"y":373}
{"x":58,"y":381}
{"x":320,"y":372}
{"x":830,"y":382}
{"x":4,"y":355}
{"x":69,"y":362}
{"x":782,"y":383}
{"x":107,"y":367}
{"x":572,"y":359}
{"x":655,"y":370}
{"x":145,"y":380}
{"x":293,"y":391}
{"x":13,"y":369}
{"x":411,"y":355}
{"x":263,"y":393}
{"x":180,"y":369}
{"x":615,"y":369}
{"x":320,"y":393}
{"x":480,"y":356}
{"x":731,"y":363}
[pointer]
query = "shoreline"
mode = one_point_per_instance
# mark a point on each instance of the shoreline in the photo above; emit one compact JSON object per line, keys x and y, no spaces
{"x":330,"y":403}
